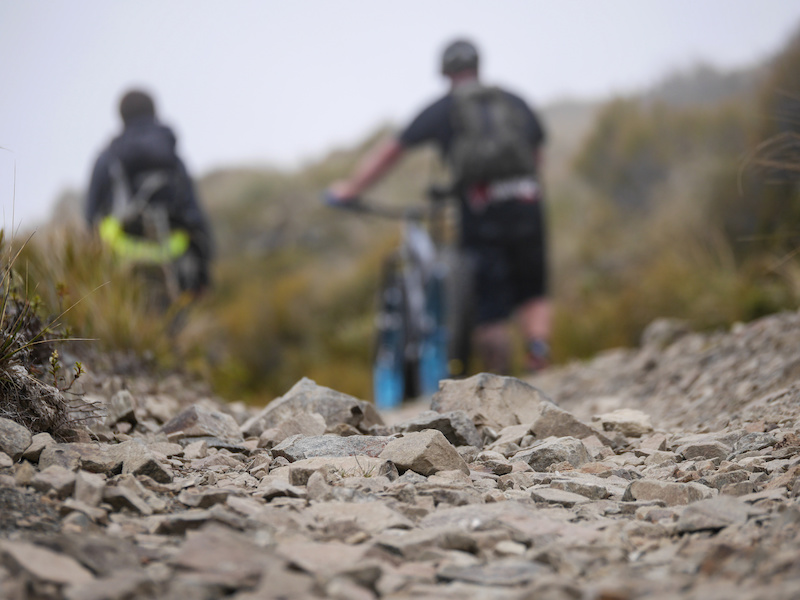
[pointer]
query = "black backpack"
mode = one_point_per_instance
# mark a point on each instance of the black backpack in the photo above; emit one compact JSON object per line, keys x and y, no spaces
{"x":145,"y":176}
{"x":490,"y":142}
{"x":136,"y":203}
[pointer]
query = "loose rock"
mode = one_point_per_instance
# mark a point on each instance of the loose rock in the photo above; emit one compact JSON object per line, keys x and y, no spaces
{"x":14,"y":438}
{"x":426,"y":453}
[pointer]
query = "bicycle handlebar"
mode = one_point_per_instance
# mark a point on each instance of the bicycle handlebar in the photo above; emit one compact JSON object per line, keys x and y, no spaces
{"x":366,"y":207}
{"x":414,"y":213}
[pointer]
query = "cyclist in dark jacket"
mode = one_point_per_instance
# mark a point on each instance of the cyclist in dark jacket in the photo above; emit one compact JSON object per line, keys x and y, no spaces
{"x":144,"y":154}
{"x":502,"y":220}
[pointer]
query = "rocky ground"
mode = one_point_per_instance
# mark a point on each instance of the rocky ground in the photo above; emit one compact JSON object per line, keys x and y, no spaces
{"x":668,"y":471}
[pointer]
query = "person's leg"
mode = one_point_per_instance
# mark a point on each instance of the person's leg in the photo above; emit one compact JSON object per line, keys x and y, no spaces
{"x":493,"y":346}
{"x":533,"y":310}
{"x":493,"y":307}
{"x":534,"y":318}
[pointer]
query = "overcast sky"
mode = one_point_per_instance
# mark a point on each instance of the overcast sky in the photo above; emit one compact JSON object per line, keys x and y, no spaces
{"x":254,"y":82}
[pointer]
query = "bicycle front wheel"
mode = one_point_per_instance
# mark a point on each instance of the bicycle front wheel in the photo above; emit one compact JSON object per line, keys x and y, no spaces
{"x":389,"y":368}
{"x":433,"y":360}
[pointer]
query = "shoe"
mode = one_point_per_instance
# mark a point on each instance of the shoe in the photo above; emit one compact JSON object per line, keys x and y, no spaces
{"x":537,"y":357}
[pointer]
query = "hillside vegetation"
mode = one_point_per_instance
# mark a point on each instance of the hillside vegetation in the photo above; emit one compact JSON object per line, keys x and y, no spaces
{"x":666,"y":203}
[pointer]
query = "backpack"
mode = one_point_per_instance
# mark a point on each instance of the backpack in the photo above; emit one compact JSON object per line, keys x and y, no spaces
{"x":490,"y":142}
{"x":133,"y":205}
{"x":145,"y":175}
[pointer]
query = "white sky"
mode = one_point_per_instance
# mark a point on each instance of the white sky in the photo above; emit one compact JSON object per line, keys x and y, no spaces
{"x":278,"y":82}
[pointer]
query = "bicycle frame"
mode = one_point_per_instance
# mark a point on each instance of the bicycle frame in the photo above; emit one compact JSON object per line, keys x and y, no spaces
{"x":411,"y":341}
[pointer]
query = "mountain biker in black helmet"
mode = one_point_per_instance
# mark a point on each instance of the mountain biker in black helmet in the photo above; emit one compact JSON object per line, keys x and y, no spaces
{"x":491,"y":140}
{"x":140,"y":170}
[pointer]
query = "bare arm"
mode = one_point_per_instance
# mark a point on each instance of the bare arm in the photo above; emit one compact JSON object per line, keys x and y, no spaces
{"x":374,"y":165}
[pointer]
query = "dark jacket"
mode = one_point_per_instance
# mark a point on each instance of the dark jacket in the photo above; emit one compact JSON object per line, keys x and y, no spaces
{"x":143,"y":146}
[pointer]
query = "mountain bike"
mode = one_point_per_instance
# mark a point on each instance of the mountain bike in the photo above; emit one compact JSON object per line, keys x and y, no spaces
{"x":412,"y":350}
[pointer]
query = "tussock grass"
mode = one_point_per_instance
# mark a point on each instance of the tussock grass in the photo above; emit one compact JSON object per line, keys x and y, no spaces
{"x":110,"y":302}
{"x":34,"y":390}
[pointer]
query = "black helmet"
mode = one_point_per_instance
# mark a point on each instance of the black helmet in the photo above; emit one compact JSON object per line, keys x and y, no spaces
{"x":460,"y":55}
{"x":136,"y":103}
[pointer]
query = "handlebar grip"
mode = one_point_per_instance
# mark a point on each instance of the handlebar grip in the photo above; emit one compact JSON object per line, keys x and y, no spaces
{"x":331,"y":199}
{"x":437,"y":193}
{"x":334,"y":201}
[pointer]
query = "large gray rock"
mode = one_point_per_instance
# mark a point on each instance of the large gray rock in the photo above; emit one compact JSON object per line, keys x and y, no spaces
{"x":299,"y":447}
{"x":101,"y":554}
{"x":557,"y":496}
{"x":627,"y":421}
{"x":89,"y":487}
{"x":205,"y":498}
{"x":501,"y":573}
{"x":371,"y":517}
{"x":39,"y":442}
{"x":42,"y":564}
{"x":14,"y":438}
{"x":493,"y":462}
{"x":161,"y":408}
{"x":137,"y":459}
{"x":510,"y":438}
{"x":303,"y":423}
{"x":456,"y":426}
{"x":323,"y":559}
{"x":490,"y":400}
{"x":200,"y":422}
{"x":121,"y":408}
{"x":275,"y":487}
{"x":308,"y":397}
{"x":128,"y":583}
{"x":553,"y":451}
{"x":425,"y":452}
{"x":529,"y":523}
{"x":553,"y":421}
{"x":130,"y":457}
{"x":344,"y":466}
{"x":96,"y":458}
{"x":58,"y":479}
{"x":712,"y":514}
{"x":671,"y":493}
{"x":221,"y":556}
{"x":416,"y":544}
{"x":703,"y":450}
{"x":194,"y":518}
{"x":121,"y":497}
{"x":754,"y":441}
{"x":590,"y":486}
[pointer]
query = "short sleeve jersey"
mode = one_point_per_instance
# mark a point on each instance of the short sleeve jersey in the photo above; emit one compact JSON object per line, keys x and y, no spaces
{"x":434,"y":124}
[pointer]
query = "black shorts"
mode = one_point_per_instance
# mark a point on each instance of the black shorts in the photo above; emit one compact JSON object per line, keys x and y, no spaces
{"x":510,"y":269}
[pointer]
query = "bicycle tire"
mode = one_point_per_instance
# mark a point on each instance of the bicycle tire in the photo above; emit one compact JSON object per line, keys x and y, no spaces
{"x":433,"y":355}
{"x":389,"y":363}
{"x":459,"y":287}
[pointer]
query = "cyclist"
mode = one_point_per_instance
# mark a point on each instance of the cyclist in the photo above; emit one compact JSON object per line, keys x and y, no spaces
{"x":492,"y":140}
{"x":141,"y":189}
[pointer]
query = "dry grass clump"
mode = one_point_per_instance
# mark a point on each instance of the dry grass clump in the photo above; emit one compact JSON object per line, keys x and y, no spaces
{"x":34,"y":404}
{"x":109,"y":302}
{"x":27,"y":347}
